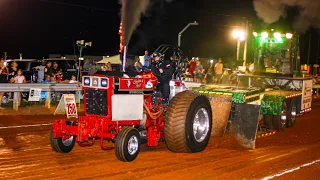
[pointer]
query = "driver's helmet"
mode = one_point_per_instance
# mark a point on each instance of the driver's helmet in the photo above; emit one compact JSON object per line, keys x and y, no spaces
{"x":157,"y":54}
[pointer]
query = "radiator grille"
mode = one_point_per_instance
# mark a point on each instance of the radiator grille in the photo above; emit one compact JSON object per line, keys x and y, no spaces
{"x":96,"y":102}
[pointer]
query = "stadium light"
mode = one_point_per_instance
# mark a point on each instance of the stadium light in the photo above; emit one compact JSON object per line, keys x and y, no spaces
{"x":289,"y":35}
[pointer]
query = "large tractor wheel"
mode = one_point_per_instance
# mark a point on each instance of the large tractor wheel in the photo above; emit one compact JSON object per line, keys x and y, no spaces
{"x":60,"y":145}
{"x":279,"y":121}
{"x":188,"y":122}
{"x":292,"y":113}
{"x":128,"y":144}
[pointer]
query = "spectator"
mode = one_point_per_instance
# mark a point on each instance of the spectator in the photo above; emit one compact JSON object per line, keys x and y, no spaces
{"x":19,"y":78}
{"x":138,"y":65}
{"x":199,"y":73}
{"x":49,"y":70}
{"x":93,"y":70}
{"x":3,"y":78}
{"x":209,"y":75}
{"x":192,"y":67}
{"x":218,"y":69}
{"x":41,"y":70}
{"x":13,"y":70}
{"x":147,"y":59}
{"x":109,"y":67}
{"x":87,"y":65}
{"x":12,"y":73}
{"x":73,"y":80}
{"x":53,"y":80}
{"x":48,"y":79}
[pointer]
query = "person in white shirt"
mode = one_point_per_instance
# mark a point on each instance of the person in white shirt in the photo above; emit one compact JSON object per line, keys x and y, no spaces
{"x":73,"y":80}
{"x":19,"y":78}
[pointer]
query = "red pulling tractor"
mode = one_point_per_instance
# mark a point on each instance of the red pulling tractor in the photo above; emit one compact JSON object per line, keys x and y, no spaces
{"x":125,"y":109}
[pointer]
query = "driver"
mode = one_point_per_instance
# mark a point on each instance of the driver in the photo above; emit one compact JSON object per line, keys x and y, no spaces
{"x":163,"y":69}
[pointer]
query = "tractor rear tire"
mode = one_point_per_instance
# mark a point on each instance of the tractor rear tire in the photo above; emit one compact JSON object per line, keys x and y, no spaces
{"x":188,"y":123}
{"x":279,"y":121}
{"x":58,"y":145}
{"x":292,"y":113}
{"x":128,"y":144}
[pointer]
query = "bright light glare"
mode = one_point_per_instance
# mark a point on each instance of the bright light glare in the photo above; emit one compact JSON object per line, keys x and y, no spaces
{"x":264,"y":34}
{"x":289,"y":35}
{"x":239,"y":34}
{"x":235,"y":34}
{"x":211,"y":61}
{"x":277,"y":35}
{"x":255,"y":34}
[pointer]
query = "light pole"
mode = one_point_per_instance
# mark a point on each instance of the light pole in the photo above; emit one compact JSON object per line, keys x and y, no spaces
{"x":184,"y":29}
{"x":81,"y":45}
{"x":239,"y":35}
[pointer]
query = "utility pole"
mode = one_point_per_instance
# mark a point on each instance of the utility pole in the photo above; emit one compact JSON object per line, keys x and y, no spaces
{"x":246,"y":44}
{"x":184,"y":29}
{"x":309,"y":49}
{"x":317,"y":61}
{"x":238,"y":49}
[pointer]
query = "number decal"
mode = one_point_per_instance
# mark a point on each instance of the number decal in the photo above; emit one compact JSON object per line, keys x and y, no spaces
{"x":71,"y":107}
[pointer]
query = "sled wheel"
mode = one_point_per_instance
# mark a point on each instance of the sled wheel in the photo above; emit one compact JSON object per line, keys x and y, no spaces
{"x":128,"y":144}
{"x":60,"y":145}
{"x":188,"y":122}
{"x":292,"y":113}
{"x":279,"y":121}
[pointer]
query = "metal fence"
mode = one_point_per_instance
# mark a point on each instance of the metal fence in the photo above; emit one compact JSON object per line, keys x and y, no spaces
{"x":48,"y":88}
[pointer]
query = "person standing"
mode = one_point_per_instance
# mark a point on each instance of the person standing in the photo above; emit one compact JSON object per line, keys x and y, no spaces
{"x":199,"y":72}
{"x":147,"y":59}
{"x":192,"y":67}
{"x":49,"y":70}
{"x":3,"y":78}
{"x":218,"y":69}
{"x":138,"y":65}
{"x":19,"y":78}
{"x":41,"y":70}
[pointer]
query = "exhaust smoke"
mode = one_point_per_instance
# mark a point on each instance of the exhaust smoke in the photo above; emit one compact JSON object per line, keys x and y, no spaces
{"x":130,"y":16}
{"x":270,"y":11}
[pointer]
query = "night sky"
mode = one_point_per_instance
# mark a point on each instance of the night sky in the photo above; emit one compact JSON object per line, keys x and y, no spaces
{"x":37,"y":28}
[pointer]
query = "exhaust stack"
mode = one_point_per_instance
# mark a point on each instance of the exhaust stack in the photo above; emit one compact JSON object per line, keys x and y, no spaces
{"x":124,"y":59}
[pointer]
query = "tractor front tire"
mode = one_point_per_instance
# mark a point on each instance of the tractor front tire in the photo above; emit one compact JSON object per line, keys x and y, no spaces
{"x":62,"y":146}
{"x":188,"y":123}
{"x":128,"y":144}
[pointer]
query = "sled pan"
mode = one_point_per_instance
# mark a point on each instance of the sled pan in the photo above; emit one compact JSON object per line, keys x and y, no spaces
{"x":221,"y":106}
{"x":245,"y":124}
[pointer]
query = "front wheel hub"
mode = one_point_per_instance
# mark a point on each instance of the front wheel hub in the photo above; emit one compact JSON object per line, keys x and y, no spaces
{"x":133,"y":145}
{"x":201,"y":125}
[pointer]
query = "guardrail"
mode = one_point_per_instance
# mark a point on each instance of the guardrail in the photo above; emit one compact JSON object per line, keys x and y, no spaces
{"x":48,"y":88}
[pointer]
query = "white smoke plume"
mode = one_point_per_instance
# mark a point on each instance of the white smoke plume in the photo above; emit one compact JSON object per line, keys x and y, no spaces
{"x":130,"y":16}
{"x":271,"y":10}
{"x":131,"y":12}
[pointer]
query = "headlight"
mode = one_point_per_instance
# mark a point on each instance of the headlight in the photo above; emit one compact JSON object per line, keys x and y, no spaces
{"x":86,"y":81}
{"x":104,"y":83}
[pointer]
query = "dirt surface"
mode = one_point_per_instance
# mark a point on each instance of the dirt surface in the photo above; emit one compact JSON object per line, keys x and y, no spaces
{"x":25,"y":153}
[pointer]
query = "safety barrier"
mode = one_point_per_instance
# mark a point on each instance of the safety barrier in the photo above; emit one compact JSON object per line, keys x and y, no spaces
{"x":48,"y":88}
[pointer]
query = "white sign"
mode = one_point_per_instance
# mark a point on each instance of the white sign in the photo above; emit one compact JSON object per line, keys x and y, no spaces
{"x":34,"y":94}
{"x":67,"y":105}
{"x":306,"y":94}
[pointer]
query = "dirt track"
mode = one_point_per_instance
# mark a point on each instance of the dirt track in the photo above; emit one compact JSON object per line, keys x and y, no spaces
{"x":25,"y":153}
